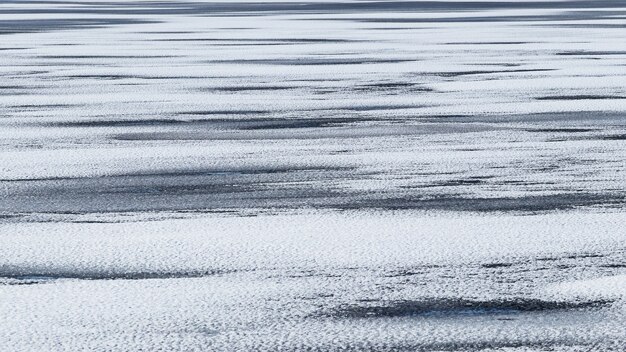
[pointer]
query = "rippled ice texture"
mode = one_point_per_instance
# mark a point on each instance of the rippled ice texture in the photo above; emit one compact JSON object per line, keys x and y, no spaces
{"x":312,"y":175}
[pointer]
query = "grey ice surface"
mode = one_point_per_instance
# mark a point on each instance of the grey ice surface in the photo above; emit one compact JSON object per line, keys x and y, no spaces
{"x":312,"y":175}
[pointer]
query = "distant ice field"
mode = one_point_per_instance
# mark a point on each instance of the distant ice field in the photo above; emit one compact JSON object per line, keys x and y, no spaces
{"x":312,"y":175}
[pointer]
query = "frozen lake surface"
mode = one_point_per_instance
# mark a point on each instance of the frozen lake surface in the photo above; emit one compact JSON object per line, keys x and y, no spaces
{"x":312,"y":176}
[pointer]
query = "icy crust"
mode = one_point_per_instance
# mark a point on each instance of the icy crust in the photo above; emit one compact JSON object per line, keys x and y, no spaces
{"x":607,"y":288}
{"x":312,"y":176}
{"x":268,"y":313}
{"x":357,"y":281}
{"x":328,"y":240}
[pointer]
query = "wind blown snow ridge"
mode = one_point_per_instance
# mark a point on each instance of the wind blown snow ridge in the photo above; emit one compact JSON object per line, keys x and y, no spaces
{"x":318,"y":175}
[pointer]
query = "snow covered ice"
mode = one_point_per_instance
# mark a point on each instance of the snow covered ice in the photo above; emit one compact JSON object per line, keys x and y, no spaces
{"x":321,"y":175}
